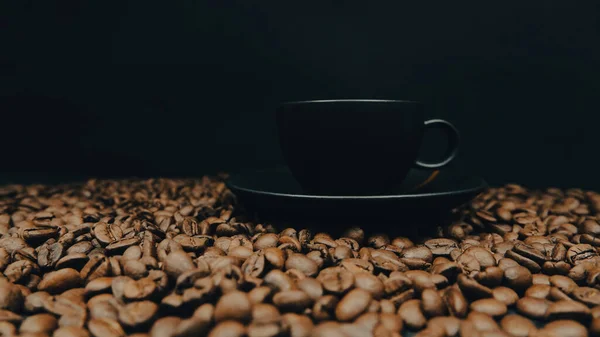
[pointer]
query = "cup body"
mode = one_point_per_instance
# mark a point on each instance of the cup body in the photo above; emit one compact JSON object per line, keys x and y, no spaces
{"x":350,"y":147}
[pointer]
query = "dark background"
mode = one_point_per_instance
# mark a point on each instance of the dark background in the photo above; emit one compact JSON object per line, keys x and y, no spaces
{"x":121,"y":88}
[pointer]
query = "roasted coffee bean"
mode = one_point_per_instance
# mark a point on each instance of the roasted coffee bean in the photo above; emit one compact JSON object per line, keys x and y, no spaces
{"x":107,"y":233}
{"x":581,"y":253}
{"x":567,"y":309}
{"x":472,"y":289}
{"x":482,"y":322}
{"x":505,"y":295}
{"x":370,"y":283}
{"x":324,"y":308}
{"x":531,"y":307}
{"x":518,"y":278}
{"x":352,"y":305}
{"x":441,"y":247}
{"x":292,"y":301}
{"x":137,"y":314}
{"x":587,"y":296}
{"x":336,"y":280}
{"x":490,"y":307}
{"x":557,"y":295}
{"x":234,"y":305}
{"x":449,"y":325}
{"x":184,"y":244}
{"x":411,"y":314}
{"x":538,"y":291}
{"x":432,"y":303}
{"x":104,"y":327}
{"x":40,"y":323}
{"x":70,"y":331}
{"x":165,"y":326}
{"x":59,"y":281}
{"x":302,"y":263}
{"x":528,"y":263}
{"x":563,"y":283}
{"x":418,"y":252}
{"x":97,"y":266}
{"x":518,"y":326}
{"x":455,"y":302}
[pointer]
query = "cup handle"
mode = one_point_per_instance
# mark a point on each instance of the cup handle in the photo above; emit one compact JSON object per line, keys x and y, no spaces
{"x":453,"y":140}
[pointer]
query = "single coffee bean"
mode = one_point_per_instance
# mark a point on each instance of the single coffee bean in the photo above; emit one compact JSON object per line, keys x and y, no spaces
{"x":40,"y":323}
{"x":336,"y":280}
{"x":97,"y":266}
{"x":482,"y":322}
{"x":76,"y":261}
{"x":137,"y":314}
{"x":176,"y":263}
{"x":456,"y":302}
{"x":70,"y":331}
{"x":581,"y":253}
{"x":263,"y":313}
{"x":311,"y":287}
{"x":233,"y":305}
{"x":489,"y":306}
{"x":49,"y":255}
{"x":352,"y":305}
{"x":441,"y":246}
{"x":299,"y":325}
{"x":104,"y":327}
{"x":228,"y":329}
{"x":531,"y":307}
{"x":506,"y":263}
{"x":402,"y":297}
{"x":370,"y":283}
{"x":450,"y":325}
{"x":411,"y":314}
{"x":567,"y":309}
{"x":60,"y":280}
{"x":324,"y":308}
{"x":524,"y":261}
{"x":529,"y":252}
{"x":194,"y":243}
{"x":279,"y":280}
{"x":538,"y":291}
{"x":432,"y":303}
{"x":557,"y":295}
{"x":11,"y":298}
{"x":302,"y":263}
{"x":586,"y":295}
{"x":505,"y":295}
{"x":107,"y":233}
{"x":292,"y":301}
{"x":418,"y":252}
{"x":517,"y":325}
{"x":471,"y":288}
{"x":518,"y":278}
{"x":191,"y":327}
{"x":563,"y":283}
{"x":378,"y":241}
{"x":165,"y":326}
{"x":540,"y":279}
{"x":563,"y":328}
{"x":490,"y":277}
{"x":119,"y":246}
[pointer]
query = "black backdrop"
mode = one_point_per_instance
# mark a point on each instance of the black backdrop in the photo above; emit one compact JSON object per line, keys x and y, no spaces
{"x":121,"y":88}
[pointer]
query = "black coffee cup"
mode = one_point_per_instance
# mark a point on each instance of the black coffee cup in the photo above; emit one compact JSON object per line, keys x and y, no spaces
{"x":356,"y":146}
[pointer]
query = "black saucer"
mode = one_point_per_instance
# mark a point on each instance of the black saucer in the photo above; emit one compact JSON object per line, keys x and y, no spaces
{"x":273,"y":194}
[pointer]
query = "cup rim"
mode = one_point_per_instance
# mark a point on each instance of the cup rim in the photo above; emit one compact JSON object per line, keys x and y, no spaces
{"x":349,"y":100}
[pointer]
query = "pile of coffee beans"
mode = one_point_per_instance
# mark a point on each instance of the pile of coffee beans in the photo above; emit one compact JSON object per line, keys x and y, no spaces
{"x":178,"y":258}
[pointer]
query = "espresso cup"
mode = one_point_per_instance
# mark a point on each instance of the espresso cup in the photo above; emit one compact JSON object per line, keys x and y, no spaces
{"x":356,"y":146}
